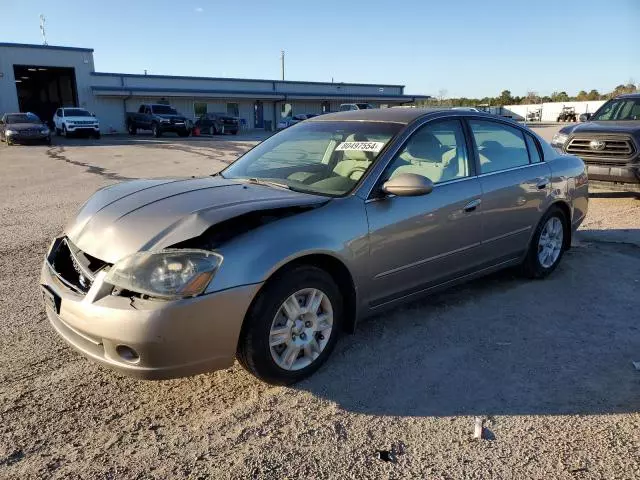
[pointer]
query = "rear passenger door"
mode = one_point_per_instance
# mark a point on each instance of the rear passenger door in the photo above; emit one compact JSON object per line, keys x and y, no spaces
{"x":516,"y":185}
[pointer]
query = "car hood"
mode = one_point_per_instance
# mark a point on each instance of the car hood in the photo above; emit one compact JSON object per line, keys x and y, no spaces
{"x":630,"y":127}
{"x":24,"y":126}
{"x":170,"y":116}
{"x":145,"y":215}
{"x":81,"y":119}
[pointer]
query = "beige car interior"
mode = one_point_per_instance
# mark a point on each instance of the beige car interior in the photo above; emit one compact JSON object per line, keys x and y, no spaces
{"x":354,"y":162}
{"x":425,"y":155}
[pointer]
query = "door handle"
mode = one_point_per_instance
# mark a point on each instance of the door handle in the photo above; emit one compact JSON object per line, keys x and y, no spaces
{"x":472,"y":205}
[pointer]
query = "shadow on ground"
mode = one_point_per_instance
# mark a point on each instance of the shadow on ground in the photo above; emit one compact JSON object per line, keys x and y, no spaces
{"x":502,"y":346}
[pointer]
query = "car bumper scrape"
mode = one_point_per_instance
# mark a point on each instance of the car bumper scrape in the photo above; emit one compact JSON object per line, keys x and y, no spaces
{"x":149,"y":339}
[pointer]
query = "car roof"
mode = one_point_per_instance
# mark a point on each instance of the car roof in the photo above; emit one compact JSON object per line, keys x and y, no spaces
{"x":394,"y":115}
{"x":629,"y":95}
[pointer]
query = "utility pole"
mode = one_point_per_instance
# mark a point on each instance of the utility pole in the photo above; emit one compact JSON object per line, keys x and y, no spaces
{"x":44,"y":34}
{"x":282,"y":62}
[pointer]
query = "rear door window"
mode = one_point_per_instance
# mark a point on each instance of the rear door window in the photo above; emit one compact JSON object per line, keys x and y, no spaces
{"x":499,"y":146}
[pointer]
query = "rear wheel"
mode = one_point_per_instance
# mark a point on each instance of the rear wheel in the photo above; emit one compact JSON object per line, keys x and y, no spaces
{"x":547,"y":245}
{"x":292,"y":326}
{"x":131,"y":128}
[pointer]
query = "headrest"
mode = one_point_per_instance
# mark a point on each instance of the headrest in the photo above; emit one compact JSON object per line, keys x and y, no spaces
{"x":424,"y":146}
{"x":357,"y":154}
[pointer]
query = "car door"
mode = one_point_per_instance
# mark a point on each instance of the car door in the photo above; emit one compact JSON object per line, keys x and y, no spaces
{"x":515,"y":183}
{"x":147,"y":118}
{"x":57,"y":119}
{"x":422,"y":241}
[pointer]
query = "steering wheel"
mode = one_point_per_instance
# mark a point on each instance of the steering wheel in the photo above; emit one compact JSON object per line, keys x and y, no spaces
{"x":354,"y":170}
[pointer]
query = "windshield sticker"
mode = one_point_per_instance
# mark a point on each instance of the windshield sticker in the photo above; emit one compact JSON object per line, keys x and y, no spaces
{"x":361,"y":146}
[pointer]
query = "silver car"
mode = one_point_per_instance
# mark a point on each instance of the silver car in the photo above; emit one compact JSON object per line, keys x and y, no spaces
{"x":331,"y":220}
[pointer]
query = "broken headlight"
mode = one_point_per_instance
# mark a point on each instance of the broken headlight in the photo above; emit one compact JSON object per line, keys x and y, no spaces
{"x":166,"y":273}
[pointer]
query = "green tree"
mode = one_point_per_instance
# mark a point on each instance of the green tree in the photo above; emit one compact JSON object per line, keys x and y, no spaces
{"x":559,"y":97}
{"x":593,"y":95}
{"x":505,"y":98}
{"x":582,"y":95}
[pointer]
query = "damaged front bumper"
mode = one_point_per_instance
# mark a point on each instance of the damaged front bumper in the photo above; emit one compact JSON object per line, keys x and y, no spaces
{"x":147,"y":338}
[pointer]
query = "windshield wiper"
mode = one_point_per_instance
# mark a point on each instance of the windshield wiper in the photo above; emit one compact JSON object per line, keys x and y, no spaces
{"x":269,"y":183}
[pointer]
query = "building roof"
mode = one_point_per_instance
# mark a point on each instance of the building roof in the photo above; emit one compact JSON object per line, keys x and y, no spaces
{"x":46,"y":47}
{"x":183,"y":77}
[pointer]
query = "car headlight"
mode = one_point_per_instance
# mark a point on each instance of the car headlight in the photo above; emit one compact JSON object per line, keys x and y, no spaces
{"x":11,"y":132}
{"x":164,"y":120}
{"x":168,"y":273}
{"x":559,"y":139}
{"x":44,"y":131}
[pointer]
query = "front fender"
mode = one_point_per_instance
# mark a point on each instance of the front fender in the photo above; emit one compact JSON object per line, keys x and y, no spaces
{"x":338,"y":229}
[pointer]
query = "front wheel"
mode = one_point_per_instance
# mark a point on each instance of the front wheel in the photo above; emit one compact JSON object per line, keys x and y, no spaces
{"x":183,"y":133}
{"x":58,"y":132}
{"x":547,"y":245}
{"x":97,"y":135}
{"x":292,"y":326}
{"x":155,"y":130}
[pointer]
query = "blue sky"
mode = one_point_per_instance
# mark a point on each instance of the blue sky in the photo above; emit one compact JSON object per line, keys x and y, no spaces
{"x":468,"y":47}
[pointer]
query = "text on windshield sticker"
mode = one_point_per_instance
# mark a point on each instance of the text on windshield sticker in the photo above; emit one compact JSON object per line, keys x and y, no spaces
{"x":361,"y":146}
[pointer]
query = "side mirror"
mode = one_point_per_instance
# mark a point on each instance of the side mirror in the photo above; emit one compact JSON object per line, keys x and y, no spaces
{"x":408,"y":185}
{"x":585,"y":117}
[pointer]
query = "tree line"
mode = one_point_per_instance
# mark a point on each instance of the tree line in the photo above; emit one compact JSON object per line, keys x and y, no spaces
{"x":506,"y":98}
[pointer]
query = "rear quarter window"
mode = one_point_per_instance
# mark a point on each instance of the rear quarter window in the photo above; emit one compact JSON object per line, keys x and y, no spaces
{"x":535,"y":154}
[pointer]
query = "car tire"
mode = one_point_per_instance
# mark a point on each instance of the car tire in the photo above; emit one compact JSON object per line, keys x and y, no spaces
{"x":155,"y":130}
{"x":65,"y":133}
{"x":131,"y":128}
{"x":547,"y":238}
{"x":58,"y":132}
{"x":183,"y":133}
{"x":47,"y":141}
{"x":256,"y":352}
{"x":97,"y":135}
{"x":234,"y":132}
{"x":9,"y":141}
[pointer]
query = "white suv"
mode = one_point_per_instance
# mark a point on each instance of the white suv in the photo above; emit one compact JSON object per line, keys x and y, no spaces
{"x":69,"y":121}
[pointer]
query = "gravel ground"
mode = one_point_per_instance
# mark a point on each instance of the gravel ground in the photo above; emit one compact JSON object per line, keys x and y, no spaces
{"x":547,"y":364}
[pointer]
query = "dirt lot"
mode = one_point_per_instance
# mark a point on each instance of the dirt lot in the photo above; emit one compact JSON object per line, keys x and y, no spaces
{"x":546,"y":363}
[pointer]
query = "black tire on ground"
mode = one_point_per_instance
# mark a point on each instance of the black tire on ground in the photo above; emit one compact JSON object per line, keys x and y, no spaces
{"x":213,"y":130}
{"x":65,"y":133}
{"x":58,"y":132}
{"x":183,"y":133}
{"x":254,"y":353}
{"x":47,"y":141}
{"x":531,"y":266}
{"x":9,"y":141}
{"x":234,"y":132}
{"x":97,"y":135}
{"x":131,"y":128}
{"x":155,"y":130}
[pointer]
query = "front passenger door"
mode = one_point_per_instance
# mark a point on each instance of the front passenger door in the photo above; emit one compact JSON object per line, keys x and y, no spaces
{"x":418,"y":242}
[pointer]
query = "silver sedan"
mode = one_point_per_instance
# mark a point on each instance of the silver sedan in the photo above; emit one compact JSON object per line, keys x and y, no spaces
{"x":331,"y":220}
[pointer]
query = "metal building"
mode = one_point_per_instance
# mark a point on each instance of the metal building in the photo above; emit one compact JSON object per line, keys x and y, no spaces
{"x":39,"y":79}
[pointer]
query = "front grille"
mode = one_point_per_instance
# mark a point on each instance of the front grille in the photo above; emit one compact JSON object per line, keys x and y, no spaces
{"x":74,"y":267}
{"x":29,"y":131}
{"x":616,"y":149}
{"x":84,"y":122}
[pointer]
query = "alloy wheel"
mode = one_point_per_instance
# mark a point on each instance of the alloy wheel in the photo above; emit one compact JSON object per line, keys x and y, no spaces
{"x":301,"y":329}
{"x":550,"y":242}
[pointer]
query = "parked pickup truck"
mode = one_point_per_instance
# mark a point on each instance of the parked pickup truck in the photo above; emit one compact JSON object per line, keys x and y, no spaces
{"x":159,"y":119}
{"x":607,"y":141}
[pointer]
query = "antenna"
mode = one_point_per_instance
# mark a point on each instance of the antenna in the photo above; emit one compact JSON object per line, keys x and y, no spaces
{"x":282,"y":62}
{"x":44,"y":34}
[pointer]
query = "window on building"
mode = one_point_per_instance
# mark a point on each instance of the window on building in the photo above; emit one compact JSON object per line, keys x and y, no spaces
{"x":500,"y":146}
{"x":199,"y":109}
{"x":286,"y":110}
{"x":233,"y":109}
